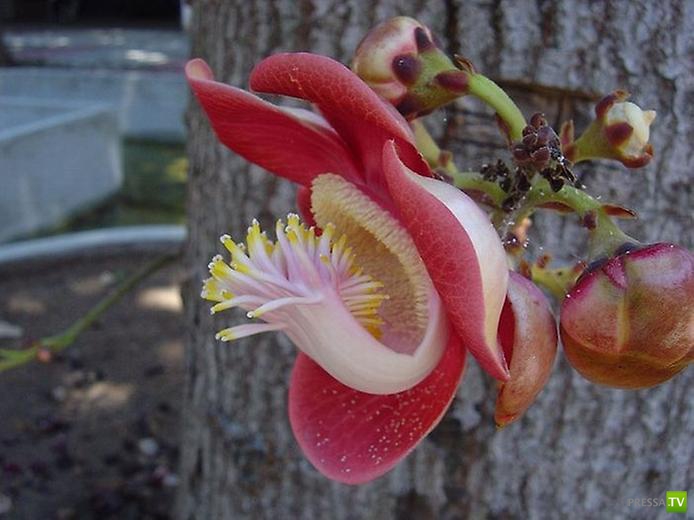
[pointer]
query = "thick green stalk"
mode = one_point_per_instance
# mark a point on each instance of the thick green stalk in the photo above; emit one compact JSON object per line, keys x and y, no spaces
{"x":493,"y":95}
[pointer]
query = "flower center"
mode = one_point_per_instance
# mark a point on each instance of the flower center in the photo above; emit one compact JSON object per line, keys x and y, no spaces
{"x":267,"y":278}
{"x":342,"y":317}
{"x":385,"y":251}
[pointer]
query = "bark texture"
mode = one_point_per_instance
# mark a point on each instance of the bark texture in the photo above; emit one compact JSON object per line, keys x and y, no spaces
{"x":581,"y":451}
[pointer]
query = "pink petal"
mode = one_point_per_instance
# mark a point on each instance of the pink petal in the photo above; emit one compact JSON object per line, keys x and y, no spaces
{"x":462,"y":253}
{"x":361,"y":118}
{"x":528,"y":333}
{"x":354,"y":437}
{"x":297,"y":145}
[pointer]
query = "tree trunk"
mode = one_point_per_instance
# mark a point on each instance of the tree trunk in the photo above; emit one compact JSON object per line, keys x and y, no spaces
{"x":582,"y":451}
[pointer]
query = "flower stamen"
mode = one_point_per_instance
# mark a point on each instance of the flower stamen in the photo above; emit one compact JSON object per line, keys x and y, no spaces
{"x":268,"y":278}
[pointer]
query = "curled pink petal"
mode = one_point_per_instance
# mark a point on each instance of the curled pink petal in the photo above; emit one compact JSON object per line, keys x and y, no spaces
{"x":528,"y":333}
{"x":462,"y":253}
{"x":291,"y":143}
{"x":356,"y":112}
{"x":354,"y":437}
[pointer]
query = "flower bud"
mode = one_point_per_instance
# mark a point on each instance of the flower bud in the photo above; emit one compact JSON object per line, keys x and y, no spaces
{"x":528,"y":334}
{"x":386,"y":58}
{"x":629,"y":322}
{"x":401,"y":62}
{"x":620,"y":131}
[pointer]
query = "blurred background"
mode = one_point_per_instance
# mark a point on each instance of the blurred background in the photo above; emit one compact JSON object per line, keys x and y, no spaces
{"x":92,"y":181}
{"x":108,"y":70}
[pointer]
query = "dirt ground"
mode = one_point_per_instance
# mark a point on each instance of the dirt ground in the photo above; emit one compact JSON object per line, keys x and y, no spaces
{"x":94,"y":433}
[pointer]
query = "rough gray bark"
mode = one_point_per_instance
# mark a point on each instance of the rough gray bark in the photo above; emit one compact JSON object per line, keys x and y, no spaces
{"x":582,"y":451}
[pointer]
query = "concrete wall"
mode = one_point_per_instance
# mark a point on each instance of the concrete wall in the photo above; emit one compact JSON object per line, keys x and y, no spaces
{"x":55,"y":158}
{"x":149,"y":104}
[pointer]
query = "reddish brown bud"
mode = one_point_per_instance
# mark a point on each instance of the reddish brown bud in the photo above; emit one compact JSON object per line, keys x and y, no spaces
{"x":520,"y":154}
{"x":541,"y":155}
{"x":537,"y":120}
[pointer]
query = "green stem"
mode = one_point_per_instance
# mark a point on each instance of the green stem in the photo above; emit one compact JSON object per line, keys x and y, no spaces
{"x":13,"y":358}
{"x":473,"y":181}
{"x":493,"y":95}
{"x":605,"y":236}
{"x":558,"y":281}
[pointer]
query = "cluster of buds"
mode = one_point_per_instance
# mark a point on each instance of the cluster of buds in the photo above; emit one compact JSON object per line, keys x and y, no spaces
{"x":628,"y":321}
{"x":540,"y":150}
{"x":540,"y":143}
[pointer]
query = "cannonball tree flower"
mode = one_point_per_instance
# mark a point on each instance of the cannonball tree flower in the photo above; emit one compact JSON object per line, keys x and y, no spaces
{"x":402,"y":275}
{"x":629,"y":320}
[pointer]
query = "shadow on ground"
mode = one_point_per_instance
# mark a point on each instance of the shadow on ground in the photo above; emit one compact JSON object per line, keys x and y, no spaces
{"x":94,"y":433}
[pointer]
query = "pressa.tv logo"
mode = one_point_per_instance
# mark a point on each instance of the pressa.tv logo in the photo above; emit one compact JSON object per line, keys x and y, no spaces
{"x":674,"y":502}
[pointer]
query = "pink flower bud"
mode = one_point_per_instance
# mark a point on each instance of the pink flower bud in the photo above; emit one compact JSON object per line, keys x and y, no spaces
{"x":387,"y":58}
{"x":621,"y":131}
{"x":528,"y":334}
{"x":401,"y":62}
{"x":629,"y":322}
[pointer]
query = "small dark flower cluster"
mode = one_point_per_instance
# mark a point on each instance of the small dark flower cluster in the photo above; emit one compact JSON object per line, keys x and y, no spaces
{"x":538,"y":152}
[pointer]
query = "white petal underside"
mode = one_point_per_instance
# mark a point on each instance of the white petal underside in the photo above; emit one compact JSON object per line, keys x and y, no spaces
{"x":330,"y":335}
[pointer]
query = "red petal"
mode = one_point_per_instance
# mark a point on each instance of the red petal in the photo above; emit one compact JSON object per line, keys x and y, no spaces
{"x":472,"y":292}
{"x":303,"y":204}
{"x":354,"y":437}
{"x":361,"y":118}
{"x":294,"y":146}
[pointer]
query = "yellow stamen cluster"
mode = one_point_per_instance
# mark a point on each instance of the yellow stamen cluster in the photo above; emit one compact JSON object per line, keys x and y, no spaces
{"x":265,"y":276}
